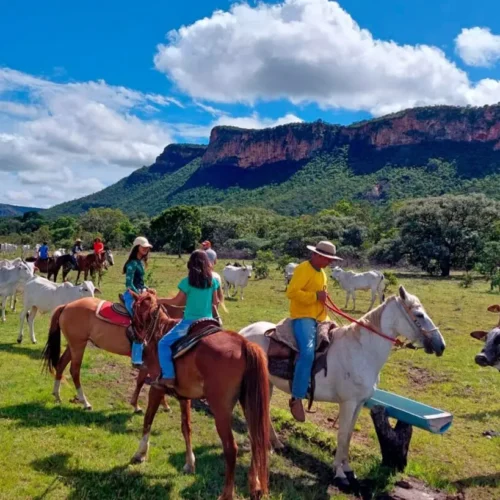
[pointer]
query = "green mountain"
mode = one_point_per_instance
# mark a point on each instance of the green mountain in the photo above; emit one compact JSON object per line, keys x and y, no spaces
{"x":305,"y":167}
{"x":15,"y":211}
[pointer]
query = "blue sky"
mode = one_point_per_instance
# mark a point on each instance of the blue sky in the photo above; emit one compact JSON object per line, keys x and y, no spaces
{"x":91,"y":90}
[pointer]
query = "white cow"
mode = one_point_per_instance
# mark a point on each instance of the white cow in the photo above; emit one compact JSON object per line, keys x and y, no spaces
{"x":236,"y":277}
{"x":351,"y":281}
{"x":20,"y":286}
{"x":11,"y":278}
{"x":43,"y":295}
{"x":289,"y":270}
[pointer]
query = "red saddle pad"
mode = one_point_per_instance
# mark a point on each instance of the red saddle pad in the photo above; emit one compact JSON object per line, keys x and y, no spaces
{"x":107,"y":311}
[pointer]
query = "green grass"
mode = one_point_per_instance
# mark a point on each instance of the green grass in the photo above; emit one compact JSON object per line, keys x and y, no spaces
{"x":53,"y":452}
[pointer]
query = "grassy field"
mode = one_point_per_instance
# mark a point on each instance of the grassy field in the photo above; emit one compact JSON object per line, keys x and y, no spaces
{"x":60,"y":451}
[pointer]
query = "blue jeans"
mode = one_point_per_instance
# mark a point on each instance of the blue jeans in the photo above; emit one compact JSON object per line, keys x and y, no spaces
{"x":129,"y":302}
{"x":164,"y":350}
{"x":305,"y":336}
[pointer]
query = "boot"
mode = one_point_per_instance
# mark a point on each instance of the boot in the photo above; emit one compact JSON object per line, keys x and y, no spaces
{"x":164,"y":383}
{"x":297,"y":409}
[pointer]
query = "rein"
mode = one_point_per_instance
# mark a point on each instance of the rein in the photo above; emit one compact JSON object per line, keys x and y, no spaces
{"x":336,"y":310}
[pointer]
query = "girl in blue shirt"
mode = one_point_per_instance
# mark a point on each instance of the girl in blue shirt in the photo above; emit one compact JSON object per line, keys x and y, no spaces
{"x":198,"y":293}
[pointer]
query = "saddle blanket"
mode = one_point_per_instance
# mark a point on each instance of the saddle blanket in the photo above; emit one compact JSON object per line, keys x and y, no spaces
{"x":116,"y":314}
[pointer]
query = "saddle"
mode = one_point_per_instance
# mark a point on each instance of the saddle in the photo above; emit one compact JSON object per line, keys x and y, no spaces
{"x":283,"y":351}
{"x":113,"y":313}
{"x":197,"y":331}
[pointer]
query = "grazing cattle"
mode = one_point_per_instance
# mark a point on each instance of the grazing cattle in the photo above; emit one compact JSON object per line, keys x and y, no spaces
{"x":351,"y":281}
{"x":490,"y":354}
{"x":12,"y":263}
{"x":11,"y":278}
{"x":7,"y":247}
{"x":42,"y":295}
{"x":289,"y":270}
{"x":236,"y":277}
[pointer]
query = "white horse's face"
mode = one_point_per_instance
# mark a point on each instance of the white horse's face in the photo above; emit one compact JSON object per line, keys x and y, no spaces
{"x":414,"y":323}
{"x":109,"y":257}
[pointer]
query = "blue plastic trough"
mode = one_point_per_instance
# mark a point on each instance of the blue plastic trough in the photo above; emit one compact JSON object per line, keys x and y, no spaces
{"x":412,"y":412}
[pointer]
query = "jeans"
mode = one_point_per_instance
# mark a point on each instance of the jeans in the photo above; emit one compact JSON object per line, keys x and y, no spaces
{"x":305,"y":336}
{"x":129,"y":302}
{"x":164,"y":347}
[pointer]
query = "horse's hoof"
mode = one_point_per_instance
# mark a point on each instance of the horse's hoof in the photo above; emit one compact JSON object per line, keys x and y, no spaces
{"x":167,"y":409}
{"x":88,"y":408}
{"x":19,"y":341}
{"x":342,"y":484}
{"x":351,"y":476}
{"x":138,"y":459}
{"x":138,"y":411}
{"x":189,"y":469}
{"x":256,"y":495}
{"x":33,"y":341}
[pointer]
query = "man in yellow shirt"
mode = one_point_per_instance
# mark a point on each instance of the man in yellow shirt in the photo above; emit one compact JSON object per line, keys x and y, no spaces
{"x":307,"y":294}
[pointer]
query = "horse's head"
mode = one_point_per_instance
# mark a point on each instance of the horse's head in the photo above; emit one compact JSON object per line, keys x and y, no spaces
{"x":490,"y":354}
{"x":414,"y":323}
{"x":145,"y":307}
{"x":109,"y":257}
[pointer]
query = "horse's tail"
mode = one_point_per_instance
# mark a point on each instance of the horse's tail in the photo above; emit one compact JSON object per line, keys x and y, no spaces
{"x":52,"y":350}
{"x":255,"y":398}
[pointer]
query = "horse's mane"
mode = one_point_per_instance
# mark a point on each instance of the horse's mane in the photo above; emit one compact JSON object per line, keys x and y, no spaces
{"x":373,"y":317}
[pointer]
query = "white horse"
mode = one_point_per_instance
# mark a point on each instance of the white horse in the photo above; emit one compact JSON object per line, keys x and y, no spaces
{"x":355,"y":359}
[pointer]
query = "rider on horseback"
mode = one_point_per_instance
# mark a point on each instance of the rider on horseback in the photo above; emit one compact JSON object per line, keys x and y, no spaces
{"x":43,"y":251}
{"x":307,"y":294}
{"x":98,"y":246}
{"x":77,"y":248}
{"x":134,"y":270}
{"x":198,"y":295}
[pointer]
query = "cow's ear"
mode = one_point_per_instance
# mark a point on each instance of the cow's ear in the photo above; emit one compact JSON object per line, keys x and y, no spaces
{"x":479,"y":335}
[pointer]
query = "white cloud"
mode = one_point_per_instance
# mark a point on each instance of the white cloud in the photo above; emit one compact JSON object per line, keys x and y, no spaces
{"x":310,"y":51}
{"x":19,"y":196}
{"x":478,"y":46}
{"x":72,"y":134}
{"x":253,"y":121}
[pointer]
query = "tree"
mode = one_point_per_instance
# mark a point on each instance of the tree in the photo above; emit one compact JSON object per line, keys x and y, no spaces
{"x":179,"y":227}
{"x":102,"y":221}
{"x":489,"y":260}
{"x":446,"y":232}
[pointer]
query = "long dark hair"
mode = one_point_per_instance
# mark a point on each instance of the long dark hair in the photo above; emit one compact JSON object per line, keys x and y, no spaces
{"x":134,"y":255}
{"x":200,"y":271}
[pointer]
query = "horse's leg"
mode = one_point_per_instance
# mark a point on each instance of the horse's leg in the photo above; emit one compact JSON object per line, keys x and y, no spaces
{"x":22,"y":316}
{"x":77,"y":276}
{"x":223,"y":421}
{"x":154,"y":399}
{"x":347,"y":468}
{"x":189,"y":467}
{"x":31,"y":323}
{"x":275,"y":440}
{"x":354,"y":300}
{"x":141,"y":377}
{"x":61,"y":366}
{"x":76,"y":364}
{"x":347,"y":410}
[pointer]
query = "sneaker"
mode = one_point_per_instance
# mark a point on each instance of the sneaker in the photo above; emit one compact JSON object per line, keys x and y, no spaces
{"x":297,"y":409}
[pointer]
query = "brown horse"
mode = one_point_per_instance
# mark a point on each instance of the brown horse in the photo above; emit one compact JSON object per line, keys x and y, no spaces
{"x":45,"y":266}
{"x":93,"y":263}
{"x":79,"y":324}
{"x":222,"y":368}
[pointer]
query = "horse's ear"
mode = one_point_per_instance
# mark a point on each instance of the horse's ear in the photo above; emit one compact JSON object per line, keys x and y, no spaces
{"x":402,"y":292}
{"x":96,"y":290}
{"x":495,"y":308}
{"x":135,"y":296}
{"x":479,"y":335}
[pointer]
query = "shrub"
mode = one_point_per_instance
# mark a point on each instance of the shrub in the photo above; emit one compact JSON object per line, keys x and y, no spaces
{"x":466,"y":281}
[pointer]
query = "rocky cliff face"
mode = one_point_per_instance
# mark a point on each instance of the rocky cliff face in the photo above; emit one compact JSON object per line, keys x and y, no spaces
{"x":297,"y":142}
{"x":175,"y":156}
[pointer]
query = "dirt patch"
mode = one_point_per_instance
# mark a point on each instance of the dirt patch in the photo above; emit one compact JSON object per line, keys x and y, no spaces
{"x":413,"y":489}
{"x":422,"y":377}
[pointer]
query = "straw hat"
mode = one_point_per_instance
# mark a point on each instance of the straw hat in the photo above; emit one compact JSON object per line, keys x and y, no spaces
{"x":325,"y":249}
{"x":142,"y":242}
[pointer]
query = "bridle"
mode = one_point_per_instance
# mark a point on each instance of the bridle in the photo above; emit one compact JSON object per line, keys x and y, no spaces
{"x":412,"y":319}
{"x":151,"y":328}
